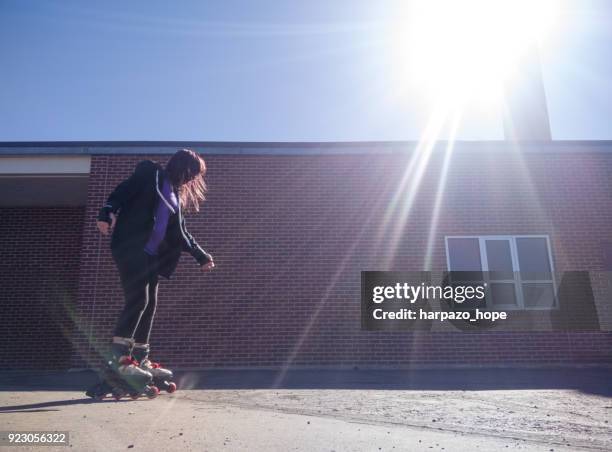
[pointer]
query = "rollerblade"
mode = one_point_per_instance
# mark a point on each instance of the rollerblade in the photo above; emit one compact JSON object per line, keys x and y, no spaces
{"x":121,"y":376}
{"x":162,"y":377}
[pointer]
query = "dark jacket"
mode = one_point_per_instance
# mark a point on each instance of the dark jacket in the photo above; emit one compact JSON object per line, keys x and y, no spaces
{"x":135,"y":202}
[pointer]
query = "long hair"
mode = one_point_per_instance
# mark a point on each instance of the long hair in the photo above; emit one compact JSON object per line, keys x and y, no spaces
{"x":186,"y":171}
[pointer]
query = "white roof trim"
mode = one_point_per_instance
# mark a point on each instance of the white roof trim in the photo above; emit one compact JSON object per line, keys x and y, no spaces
{"x":47,"y":165}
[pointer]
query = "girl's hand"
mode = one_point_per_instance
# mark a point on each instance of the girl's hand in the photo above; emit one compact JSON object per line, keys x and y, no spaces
{"x":104,"y":227}
{"x":208,"y":267}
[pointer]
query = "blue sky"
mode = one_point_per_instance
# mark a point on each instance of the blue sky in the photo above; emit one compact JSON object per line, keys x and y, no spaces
{"x":255,"y":71}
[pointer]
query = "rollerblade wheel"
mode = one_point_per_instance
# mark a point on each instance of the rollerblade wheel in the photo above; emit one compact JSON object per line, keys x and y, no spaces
{"x":151,"y":392}
{"x":97,"y":392}
{"x":170,"y":387}
{"x":93,"y":393}
{"x":134,"y":396}
{"x":117,"y":395}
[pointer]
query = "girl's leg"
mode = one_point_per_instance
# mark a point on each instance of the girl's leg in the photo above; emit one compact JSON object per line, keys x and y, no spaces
{"x":135,"y":283}
{"x":143,"y":329}
{"x":121,"y":363}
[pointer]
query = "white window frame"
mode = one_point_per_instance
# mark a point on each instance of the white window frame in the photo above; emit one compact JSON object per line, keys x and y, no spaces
{"x":518,"y":281}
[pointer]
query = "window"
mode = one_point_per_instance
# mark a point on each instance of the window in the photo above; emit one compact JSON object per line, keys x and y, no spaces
{"x":520,"y":271}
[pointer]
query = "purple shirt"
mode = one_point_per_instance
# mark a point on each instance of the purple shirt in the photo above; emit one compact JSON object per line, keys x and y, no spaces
{"x":162,"y":214}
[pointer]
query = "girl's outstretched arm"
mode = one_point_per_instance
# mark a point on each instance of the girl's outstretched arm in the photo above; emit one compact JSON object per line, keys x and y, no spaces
{"x":191,"y":246}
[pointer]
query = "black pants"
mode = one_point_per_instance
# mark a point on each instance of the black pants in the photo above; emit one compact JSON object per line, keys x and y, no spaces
{"x":139,"y":279}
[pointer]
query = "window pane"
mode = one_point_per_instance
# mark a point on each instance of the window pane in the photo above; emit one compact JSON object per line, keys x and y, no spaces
{"x":533,"y":258}
{"x":502,"y":294}
{"x":499,"y":259}
{"x":464,"y":255}
{"x":539,"y":295}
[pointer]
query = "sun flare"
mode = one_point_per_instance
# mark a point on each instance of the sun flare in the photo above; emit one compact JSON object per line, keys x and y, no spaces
{"x":463,"y":51}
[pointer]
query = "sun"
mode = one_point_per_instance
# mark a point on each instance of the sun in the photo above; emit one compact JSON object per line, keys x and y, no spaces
{"x":459,"y":51}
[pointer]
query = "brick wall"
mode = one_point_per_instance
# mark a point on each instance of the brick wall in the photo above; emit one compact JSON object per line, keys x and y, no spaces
{"x":291,"y":234}
{"x":40,"y":249}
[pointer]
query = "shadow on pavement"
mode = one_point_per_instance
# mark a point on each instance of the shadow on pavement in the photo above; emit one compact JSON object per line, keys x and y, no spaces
{"x":587,"y":380}
{"x":43,"y":406}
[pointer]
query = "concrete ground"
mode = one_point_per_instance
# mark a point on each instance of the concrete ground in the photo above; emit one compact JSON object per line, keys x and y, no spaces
{"x":325,"y":410}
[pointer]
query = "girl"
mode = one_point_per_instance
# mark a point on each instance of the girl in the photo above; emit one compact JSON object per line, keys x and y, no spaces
{"x":145,"y":215}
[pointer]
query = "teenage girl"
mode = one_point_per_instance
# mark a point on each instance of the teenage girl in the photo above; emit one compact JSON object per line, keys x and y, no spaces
{"x":145,"y":215}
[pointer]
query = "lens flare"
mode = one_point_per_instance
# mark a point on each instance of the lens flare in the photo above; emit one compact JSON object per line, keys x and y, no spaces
{"x":463,"y":51}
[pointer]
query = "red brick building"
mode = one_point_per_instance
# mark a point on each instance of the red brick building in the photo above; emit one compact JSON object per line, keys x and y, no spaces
{"x":291,"y":226}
